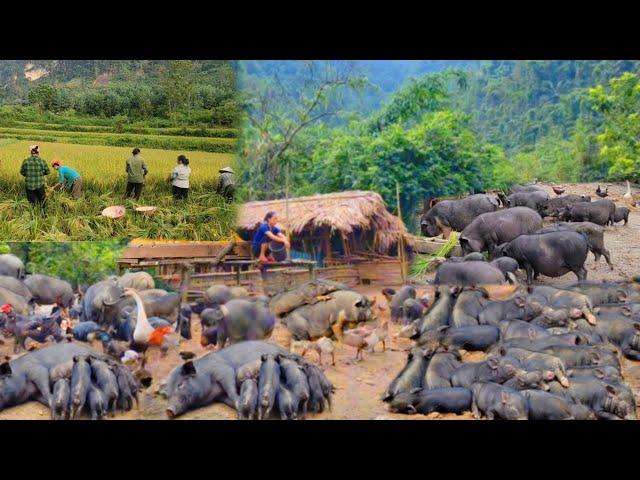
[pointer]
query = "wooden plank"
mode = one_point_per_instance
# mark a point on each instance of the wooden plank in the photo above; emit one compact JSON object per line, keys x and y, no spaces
{"x":196,"y":250}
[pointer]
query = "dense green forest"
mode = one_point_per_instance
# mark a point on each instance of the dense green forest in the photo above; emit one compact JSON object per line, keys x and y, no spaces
{"x":77,"y":262}
{"x":180,"y":92}
{"x":435,"y":127}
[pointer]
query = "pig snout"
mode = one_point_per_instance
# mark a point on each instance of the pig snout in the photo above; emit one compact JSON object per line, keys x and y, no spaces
{"x":177,"y":406}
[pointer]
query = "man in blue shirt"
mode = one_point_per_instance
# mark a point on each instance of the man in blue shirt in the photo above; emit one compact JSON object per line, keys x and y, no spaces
{"x":69,"y":177}
{"x":265,"y":234}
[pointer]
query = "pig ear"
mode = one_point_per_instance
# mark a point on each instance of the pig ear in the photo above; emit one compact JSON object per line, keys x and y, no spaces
{"x":502,"y":351}
{"x":493,"y":363}
{"x":622,"y":296}
{"x":415,"y":390}
{"x":188,"y":368}
{"x":504,"y":397}
{"x":463,"y":241}
{"x":610,"y":390}
{"x":519,"y":301}
{"x":455,"y":290}
{"x":358,"y":304}
{"x":636,"y":325}
{"x":5,"y":369}
{"x":442,"y":328}
{"x":598,"y":372}
{"x":388,"y":291}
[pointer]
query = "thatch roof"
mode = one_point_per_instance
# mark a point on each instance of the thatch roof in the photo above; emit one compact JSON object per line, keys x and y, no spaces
{"x":341,"y":211}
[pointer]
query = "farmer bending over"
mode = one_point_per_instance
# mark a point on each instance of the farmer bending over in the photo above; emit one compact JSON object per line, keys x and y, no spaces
{"x":136,"y":172}
{"x":266,"y":233}
{"x":68,"y":176}
{"x":226,"y":187}
{"x":34,"y":169}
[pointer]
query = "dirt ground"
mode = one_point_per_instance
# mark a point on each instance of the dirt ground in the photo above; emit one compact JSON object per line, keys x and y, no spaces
{"x":359,"y":385}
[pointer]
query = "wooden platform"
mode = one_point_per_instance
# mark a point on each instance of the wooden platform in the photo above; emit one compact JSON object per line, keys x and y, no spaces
{"x":431,"y":245}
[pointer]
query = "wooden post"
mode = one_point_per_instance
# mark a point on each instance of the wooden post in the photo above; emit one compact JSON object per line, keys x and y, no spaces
{"x":345,"y":248}
{"x":403,"y":274}
{"x":326,"y":243}
{"x":187,"y":269}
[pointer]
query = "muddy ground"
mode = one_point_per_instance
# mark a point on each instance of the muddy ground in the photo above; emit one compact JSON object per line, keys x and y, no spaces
{"x":359,"y":385}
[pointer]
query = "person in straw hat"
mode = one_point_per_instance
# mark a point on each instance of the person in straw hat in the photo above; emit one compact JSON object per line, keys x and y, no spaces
{"x":226,"y":184}
{"x":34,"y":169}
{"x":68,"y":176}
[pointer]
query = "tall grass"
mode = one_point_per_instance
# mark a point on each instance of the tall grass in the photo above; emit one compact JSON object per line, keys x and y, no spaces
{"x":205,"y":216}
{"x":422,"y":262}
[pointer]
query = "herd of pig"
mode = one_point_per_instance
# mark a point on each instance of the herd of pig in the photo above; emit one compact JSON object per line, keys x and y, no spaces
{"x":512,"y":226}
{"x":258,"y":379}
{"x":553,"y":353}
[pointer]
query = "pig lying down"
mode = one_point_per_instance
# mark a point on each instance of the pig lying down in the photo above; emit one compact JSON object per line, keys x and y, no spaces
{"x":70,"y":379}
{"x":260,"y":380}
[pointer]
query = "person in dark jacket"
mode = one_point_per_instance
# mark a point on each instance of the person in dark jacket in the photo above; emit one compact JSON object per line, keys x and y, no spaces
{"x":34,"y":170}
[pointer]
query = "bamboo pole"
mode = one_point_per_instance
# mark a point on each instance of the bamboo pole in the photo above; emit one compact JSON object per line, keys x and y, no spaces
{"x":403,"y":274}
{"x":286,"y":203}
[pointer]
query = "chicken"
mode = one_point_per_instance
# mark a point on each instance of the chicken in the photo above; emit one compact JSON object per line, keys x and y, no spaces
{"x":320,"y":346}
{"x":355,"y":340}
{"x":142,"y":375}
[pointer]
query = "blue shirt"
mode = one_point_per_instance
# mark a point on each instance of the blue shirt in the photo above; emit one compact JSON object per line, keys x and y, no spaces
{"x":68,"y":175}
{"x":262,"y":233}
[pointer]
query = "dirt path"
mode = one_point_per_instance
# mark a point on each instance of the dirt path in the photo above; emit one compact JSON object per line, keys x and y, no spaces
{"x":359,"y":385}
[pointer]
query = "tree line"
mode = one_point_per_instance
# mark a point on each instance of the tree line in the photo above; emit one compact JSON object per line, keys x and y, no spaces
{"x":182,"y":90}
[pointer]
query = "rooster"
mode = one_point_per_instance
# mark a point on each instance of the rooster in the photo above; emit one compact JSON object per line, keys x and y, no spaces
{"x":602,"y":194}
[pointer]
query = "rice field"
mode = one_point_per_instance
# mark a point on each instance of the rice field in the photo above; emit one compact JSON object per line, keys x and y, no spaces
{"x":205,"y":216}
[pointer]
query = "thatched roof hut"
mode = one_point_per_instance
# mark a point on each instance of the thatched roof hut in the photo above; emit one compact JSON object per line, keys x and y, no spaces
{"x":358,"y":216}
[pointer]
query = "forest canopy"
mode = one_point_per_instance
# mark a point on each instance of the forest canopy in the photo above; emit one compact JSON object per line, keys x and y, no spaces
{"x":436,"y":128}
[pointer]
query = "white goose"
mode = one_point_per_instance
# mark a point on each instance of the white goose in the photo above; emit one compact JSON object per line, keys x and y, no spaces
{"x":627,"y":196}
{"x":144,"y":334}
